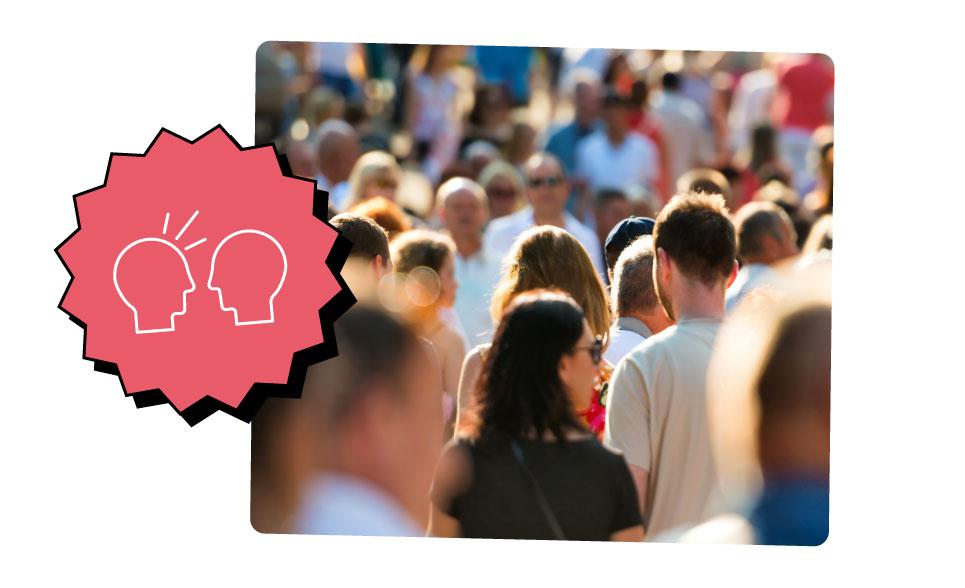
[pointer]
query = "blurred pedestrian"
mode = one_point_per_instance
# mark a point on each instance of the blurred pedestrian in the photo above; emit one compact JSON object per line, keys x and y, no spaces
{"x":463,"y":209}
{"x":765,"y":238}
{"x":355,"y":454}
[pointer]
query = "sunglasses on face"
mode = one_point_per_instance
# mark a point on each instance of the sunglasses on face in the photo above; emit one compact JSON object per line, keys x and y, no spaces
{"x":596,"y":350}
{"x":551,"y":181}
{"x":384,"y":183}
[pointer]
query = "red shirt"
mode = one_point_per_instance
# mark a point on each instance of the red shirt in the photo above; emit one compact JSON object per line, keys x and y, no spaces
{"x":803,"y":89}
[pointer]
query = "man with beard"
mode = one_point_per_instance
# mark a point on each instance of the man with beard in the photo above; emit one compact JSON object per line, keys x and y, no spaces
{"x":656,"y":411}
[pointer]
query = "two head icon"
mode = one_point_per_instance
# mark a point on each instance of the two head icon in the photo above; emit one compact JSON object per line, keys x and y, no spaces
{"x":153,"y":279}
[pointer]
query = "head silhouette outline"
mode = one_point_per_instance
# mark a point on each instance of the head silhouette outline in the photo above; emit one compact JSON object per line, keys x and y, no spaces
{"x":248,"y":269}
{"x":152,"y":278}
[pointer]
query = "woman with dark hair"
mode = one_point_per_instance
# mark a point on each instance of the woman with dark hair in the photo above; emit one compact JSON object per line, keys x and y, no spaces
{"x":524,"y":466}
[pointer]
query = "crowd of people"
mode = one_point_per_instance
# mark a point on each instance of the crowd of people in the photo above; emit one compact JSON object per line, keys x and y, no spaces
{"x":593,"y":294}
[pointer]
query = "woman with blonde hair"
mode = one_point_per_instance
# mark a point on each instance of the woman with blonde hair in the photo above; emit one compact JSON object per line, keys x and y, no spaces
{"x":504,"y":188}
{"x":376,"y":173}
{"x":548,"y":257}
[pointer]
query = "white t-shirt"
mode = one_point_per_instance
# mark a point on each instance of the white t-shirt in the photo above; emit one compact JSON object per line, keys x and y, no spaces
{"x":477,"y":277}
{"x":340,"y":504}
{"x":502,"y":232}
{"x":656,"y":416}
{"x":631,"y":163}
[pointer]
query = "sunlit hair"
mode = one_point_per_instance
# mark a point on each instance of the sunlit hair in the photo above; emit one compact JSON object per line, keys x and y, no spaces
{"x":755,"y":221}
{"x":632,"y":288}
{"x":460,"y":185}
{"x":770,"y":357}
{"x":421,"y":248}
{"x":502,"y":169}
{"x":540,"y":158}
{"x":370,"y":166}
{"x":385,"y":213}
{"x":549,"y":257}
{"x":696,"y":232}
{"x":414,"y":254}
{"x":706,"y":180}
{"x":820,"y":236}
{"x":368,"y":238}
{"x":519,"y":391}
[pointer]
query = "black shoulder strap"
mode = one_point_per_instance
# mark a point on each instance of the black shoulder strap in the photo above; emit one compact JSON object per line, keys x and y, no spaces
{"x":540,"y":498}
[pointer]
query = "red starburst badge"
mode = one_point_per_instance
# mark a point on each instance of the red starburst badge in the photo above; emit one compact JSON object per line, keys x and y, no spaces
{"x":205,"y":275}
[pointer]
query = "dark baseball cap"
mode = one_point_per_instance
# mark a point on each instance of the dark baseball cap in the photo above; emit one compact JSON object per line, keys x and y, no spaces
{"x":627,"y":230}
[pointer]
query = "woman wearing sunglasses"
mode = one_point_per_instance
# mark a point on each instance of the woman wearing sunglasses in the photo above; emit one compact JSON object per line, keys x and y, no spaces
{"x":524,"y":465}
{"x":549,"y":257}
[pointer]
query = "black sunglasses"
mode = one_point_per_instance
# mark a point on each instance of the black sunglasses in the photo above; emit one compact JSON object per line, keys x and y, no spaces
{"x":551,"y":181}
{"x":596,"y":350}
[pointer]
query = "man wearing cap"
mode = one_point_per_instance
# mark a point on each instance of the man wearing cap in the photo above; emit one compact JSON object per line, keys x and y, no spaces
{"x":639,"y":314}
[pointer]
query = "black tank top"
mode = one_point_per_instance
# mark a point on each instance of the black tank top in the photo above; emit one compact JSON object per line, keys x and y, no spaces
{"x":588,"y":487}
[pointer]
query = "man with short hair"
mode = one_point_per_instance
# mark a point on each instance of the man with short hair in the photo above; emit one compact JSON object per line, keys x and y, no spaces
{"x":638,"y":312}
{"x":464,"y":209}
{"x":546,"y":190}
{"x":369,"y":259}
{"x":765,"y":238}
{"x":337,"y":145}
{"x":656,"y":410}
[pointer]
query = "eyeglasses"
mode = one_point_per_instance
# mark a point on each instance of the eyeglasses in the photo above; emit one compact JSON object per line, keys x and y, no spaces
{"x":385,"y":183}
{"x":596,"y":350}
{"x":551,"y":181}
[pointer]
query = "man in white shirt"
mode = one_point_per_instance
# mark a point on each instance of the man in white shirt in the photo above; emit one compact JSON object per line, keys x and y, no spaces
{"x":639,"y":314}
{"x":656,"y":411}
{"x":464,"y":208}
{"x":616,"y":157}
{"x":546,"y":190}
{"x":765,"y":238}
{"x":337,"y":146}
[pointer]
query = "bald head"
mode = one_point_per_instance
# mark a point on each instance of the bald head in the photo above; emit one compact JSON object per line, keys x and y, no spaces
{"x":338,"y":149}
{"x":463,"y":207}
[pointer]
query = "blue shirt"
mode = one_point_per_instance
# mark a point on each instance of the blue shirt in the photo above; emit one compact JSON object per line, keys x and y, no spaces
{"x":792,"y":511}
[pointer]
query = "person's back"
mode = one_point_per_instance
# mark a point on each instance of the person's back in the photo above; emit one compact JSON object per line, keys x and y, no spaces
{"x":587,"y":487}
{"x":667,"y":375}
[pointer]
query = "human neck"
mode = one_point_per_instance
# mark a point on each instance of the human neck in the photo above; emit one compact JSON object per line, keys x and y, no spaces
{"x":694,"y":300}
{"x":330,"y":174}
{"x":467,"y":245}
{"x":557,"y":219}
{"x":615,"y":137}
{"x":655,"y":321}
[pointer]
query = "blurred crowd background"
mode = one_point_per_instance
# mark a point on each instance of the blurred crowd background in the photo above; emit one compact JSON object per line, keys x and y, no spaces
{"x":487,"y":188}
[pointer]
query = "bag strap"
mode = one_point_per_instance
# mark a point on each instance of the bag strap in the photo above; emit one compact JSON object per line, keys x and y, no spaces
{"x":544,"y":504}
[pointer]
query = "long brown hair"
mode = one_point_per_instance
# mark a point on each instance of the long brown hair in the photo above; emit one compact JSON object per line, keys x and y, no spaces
{"x":549,"y":257}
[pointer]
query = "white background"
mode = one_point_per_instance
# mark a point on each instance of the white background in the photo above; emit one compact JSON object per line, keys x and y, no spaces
{"x":96,"y":491}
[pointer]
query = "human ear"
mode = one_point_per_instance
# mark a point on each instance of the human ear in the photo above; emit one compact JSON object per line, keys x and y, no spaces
{"x":733,"y":274}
